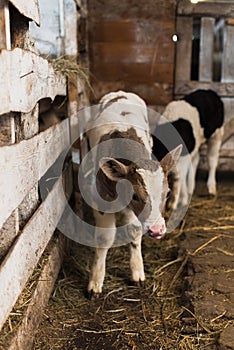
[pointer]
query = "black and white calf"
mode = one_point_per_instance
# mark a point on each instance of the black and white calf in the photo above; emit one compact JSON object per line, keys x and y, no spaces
{"x":120,"y":136}
{"x":198,"y":118}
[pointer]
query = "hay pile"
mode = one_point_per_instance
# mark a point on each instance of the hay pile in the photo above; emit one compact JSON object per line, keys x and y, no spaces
{"x":68,"y":66}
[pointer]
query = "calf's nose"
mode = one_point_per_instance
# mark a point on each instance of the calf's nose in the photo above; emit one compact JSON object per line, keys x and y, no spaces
{"x":157,"y":231}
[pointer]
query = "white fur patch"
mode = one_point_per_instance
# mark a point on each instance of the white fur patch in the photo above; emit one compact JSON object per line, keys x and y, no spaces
{"x":131,"y":111}
{"x":154,"y":183}
{"x":182,"y":109}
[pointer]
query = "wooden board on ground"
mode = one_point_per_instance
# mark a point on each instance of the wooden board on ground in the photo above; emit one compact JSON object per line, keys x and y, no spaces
{"x":28,"y":249}
{"x":24,"y":336}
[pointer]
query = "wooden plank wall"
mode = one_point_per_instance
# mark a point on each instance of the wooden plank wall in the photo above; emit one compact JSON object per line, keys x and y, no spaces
{"x":208,"y":13}
{"x":131,"y":48}
{"x":27,"y":221}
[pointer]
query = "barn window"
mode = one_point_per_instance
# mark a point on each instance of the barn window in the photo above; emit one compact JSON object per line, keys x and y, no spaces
{"x":199,"y":45}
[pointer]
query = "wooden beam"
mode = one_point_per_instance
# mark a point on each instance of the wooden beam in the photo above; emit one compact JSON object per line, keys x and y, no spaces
{"x":17,"y":220}
{"x":20,"y":36}
{"x":28,"y":248}
{"x":8,"y":232}
{"x":184,"y":30}
{"x":205,"y":8}
{"x":228,"y":130}
{"x":23,"y":164}
{"x":29,"y":123}
{"x":185,"y":87}
{"x":227,"y":74}
{"x":5,"y":34}
{"x":206,"y":49}
{"x":25,"y":78}
{"x":7,"y":127}
{"x":70,"y":28}
{"x":224,"y":152}
{"x":71,"y":50}
{"x":28,"y":206}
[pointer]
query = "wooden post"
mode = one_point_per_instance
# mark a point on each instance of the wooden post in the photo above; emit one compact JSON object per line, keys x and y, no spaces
{"x":5,"y":38}
{"x":184,"y":29}
{"x":71,"y":49}
{"x":206,"y":49}
{"x":228,"y":53}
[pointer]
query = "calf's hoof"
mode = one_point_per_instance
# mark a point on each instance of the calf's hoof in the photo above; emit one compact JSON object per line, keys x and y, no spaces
{"x":212,"y":190}
{"x":139,"y":284}
{"x":212,"y":194}
{"x":93,"y":295}
{"x":94,"y":290}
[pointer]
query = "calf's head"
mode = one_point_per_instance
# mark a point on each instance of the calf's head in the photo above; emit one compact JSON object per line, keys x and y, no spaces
{"x":149,"y":187}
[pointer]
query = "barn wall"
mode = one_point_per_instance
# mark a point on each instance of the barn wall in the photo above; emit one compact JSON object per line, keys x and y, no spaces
{"x":131,"y":48}
{"x":31,"y":249}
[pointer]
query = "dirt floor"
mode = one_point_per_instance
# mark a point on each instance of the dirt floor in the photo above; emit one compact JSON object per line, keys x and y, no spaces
{"x":187,"y":302}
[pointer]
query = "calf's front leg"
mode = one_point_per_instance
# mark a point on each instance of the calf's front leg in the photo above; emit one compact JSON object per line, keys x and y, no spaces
{"x":192,"y":173}
{"x":179,"y":197}
{"x":214,"y":144}
{"x":104,"y":237}
{"x":136,"y":262}
{"x":97,"y":273}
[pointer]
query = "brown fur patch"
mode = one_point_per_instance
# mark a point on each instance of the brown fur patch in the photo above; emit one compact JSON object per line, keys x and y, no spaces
{"x":117,"y":134}
{"x":107,"y":188}
{"x":140,"y":195}
{"x":137,"y":152}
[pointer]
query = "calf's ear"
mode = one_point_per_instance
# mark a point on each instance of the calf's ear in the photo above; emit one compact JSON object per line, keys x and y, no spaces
{"x":170,"y":159}
{"x":113,"y":169}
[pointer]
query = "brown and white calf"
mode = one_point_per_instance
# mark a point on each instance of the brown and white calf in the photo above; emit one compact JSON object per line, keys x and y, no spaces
{"x":126,"y":175}
{"x":197,"y":118}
